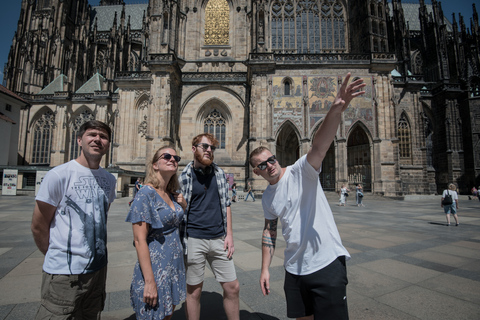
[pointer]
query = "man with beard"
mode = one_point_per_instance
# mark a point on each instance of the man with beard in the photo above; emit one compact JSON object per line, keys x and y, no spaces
{"x":208,"y":234}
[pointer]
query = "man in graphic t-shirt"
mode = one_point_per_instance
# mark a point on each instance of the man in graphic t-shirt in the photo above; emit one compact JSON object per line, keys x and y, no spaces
{"x":69,"y":226}
{"x":315,"y":270}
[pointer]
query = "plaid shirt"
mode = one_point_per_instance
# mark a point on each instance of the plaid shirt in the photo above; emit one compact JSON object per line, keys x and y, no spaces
{"x":186,"y":185}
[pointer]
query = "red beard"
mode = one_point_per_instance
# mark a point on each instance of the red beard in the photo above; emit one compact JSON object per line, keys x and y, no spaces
{"x":199,"y":157}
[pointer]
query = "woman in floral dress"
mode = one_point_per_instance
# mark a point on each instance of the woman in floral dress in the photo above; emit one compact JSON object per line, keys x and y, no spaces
{"x":158,"y":283}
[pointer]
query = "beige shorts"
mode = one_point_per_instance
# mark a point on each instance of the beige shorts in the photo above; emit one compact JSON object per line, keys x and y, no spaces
{"x":211,"y":250}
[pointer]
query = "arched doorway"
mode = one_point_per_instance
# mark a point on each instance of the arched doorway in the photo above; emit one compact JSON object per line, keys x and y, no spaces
{"x":287,"y":147}
{"x":359,"y":159}
{"x":327,"y":176}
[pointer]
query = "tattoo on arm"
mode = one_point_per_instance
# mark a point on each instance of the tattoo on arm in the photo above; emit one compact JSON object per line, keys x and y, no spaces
{"x":269,"y":237}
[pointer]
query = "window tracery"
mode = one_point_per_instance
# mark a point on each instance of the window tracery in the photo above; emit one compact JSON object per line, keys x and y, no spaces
{"x":215,"y":124}
{"x":405,"y":146}
{"x":308,"y":27}
{"x":42,"y":138}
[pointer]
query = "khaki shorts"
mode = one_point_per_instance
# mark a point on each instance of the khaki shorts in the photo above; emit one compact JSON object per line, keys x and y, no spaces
{"x":211,"y":250}
{"x":78,"y":296}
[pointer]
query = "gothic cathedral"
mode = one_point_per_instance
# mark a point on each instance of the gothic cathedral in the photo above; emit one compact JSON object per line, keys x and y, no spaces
{"x":255,"y":72}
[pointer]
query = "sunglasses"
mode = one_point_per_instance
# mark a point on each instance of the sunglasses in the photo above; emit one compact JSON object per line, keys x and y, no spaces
{"x":263,"y":165}
{"x":168,"y":156}
{"x":205,"y":146}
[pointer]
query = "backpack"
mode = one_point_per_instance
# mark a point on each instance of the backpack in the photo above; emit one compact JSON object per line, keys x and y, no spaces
{"x":447,"y":200}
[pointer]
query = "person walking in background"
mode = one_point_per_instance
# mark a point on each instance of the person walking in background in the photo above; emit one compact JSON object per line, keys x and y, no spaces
{"x":234,"y":192}
{"x":208,"y":232}
{"x":359,"y":194}
{"x":158,"y":282}
{"x":69,"y":226}
{"x":138,"y":185}
{"x":249,"y":192}
{"x":343,"y":195}
{"x":449,"y":203}
{"x":315,"y":269}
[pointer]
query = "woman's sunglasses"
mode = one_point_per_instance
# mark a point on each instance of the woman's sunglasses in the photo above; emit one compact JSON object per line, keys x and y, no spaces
{"x":168,"y":156}
{"x":263,"y":165}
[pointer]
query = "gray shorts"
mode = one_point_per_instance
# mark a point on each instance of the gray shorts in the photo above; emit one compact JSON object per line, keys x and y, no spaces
{"x":202,"y":250}
{"x":81,"y":296}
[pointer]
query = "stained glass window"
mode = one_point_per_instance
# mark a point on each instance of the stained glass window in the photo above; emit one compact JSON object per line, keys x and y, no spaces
{"x":404,"y":136}
{"x":307,"y":27}
{"x":42,"y":138}
{"x":215,"y":124}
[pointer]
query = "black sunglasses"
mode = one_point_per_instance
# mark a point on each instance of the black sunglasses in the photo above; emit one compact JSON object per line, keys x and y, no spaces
{"x":263,"y":165}
{"x":205,"y":146}
{"x":168,"y":156}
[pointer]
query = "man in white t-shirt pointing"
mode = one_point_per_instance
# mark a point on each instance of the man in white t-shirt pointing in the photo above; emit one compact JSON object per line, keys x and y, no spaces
{"x":315,"y":277}
{"x":69,"y":226}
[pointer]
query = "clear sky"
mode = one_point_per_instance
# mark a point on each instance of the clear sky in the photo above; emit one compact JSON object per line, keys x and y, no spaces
{"x":11,"y":12}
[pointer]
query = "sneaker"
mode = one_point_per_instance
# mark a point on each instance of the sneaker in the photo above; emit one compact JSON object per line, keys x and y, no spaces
{"x":456,"y":225}
{"x":448,"y":224}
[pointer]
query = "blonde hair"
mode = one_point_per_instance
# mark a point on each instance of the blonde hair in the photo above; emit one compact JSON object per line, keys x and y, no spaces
{"x":452,"y":187}
{"x":151,"y":176}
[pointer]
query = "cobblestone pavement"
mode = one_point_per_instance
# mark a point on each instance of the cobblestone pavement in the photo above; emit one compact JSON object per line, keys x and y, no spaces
{"x":406,"y":263}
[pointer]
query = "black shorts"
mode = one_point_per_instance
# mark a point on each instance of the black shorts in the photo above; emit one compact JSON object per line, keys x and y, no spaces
{"x":322,"y":293}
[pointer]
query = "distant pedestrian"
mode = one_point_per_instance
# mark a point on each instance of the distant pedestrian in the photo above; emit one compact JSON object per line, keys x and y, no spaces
{"x":449,"y":203}
{"x":138,"y":186}
{"x":343,"y":195}
{"x":249,"y":192}
{"x":359,"y":195}
{"x":234,"y":192}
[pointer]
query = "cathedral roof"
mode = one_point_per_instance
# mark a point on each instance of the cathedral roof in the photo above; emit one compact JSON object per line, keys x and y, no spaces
{"x":55,"y":86}
{"x":106,"y":15}
{"x":93,"y":84}
{"x":411,"y":13}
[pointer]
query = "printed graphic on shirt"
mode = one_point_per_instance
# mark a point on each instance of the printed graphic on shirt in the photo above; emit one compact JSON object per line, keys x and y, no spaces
{"x":91,"y":206}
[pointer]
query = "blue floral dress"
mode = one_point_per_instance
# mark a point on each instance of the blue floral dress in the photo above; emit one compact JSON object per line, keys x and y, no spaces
{"x":166,"y":254}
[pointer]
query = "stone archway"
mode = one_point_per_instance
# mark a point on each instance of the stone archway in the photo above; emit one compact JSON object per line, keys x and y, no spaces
{"x":287,"y":146}
{"x":359,"y":159}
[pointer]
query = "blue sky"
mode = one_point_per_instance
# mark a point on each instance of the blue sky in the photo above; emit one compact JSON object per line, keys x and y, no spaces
{"x":11,"y":11}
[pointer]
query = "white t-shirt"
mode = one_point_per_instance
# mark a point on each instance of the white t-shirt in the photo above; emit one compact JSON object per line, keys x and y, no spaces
{"x":308,"y":227}
{"x":452,"y":193}
{"x":78,"y":232}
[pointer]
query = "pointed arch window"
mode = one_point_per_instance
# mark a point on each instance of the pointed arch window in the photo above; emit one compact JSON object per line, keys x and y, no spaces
{"x":308,"y":26}
{"x":217,"y":22}
{"x":76,"y":123}
{"x":405,"y":145}
{"x":215,"y":124}
{"x":42,"y":138}
{"x":287,"y":87}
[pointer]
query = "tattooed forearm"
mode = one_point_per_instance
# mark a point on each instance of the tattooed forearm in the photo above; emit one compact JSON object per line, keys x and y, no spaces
{"x":269,"y":237}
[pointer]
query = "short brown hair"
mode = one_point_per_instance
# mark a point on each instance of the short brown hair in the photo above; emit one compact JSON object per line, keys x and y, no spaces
{"x":209,"y":136}
{"x":152,"y":179}
{"x":94,"y":124}
{"x":256,"y":152}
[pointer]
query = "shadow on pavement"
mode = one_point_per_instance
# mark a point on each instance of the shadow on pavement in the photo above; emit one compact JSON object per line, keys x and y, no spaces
{"x":212,"y":308}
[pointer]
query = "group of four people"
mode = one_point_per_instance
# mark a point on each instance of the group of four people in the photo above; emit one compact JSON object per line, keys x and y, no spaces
{"x":177,"y":233}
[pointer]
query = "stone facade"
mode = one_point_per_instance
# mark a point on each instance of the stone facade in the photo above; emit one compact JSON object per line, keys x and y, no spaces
{"x":255,"y":73}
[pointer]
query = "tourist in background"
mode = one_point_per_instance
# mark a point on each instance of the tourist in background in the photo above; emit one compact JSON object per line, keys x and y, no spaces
{"x":359,"y":195}
{"x":449,"y":203}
